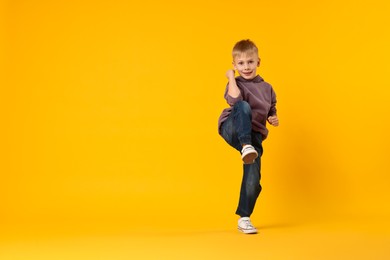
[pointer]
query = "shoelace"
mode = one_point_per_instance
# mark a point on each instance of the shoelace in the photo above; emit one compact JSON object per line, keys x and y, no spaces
{"x":248,"y":224}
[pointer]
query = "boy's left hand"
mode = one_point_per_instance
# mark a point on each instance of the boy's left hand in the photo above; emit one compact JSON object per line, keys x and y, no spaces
{"x":273,"y":120}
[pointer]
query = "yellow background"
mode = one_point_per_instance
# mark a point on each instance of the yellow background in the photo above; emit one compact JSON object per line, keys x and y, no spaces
{"x":109,"y":115}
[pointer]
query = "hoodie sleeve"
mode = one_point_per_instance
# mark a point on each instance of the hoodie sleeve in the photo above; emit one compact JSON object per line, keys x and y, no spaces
{"x":272,"y":110}
{"x":231,"y":100}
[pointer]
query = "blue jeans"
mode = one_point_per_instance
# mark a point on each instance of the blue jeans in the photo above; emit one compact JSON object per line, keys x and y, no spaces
{"x":237,"y":130}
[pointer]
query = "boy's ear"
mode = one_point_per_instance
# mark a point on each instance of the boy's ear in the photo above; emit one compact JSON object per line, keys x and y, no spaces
{"x":258,"y":63}
{"x":234,"y":65}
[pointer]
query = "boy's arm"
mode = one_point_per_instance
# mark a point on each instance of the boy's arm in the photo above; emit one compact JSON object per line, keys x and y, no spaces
{"x":232,"y":93}
{"x":272,"y":117}
{"x":233,"y":90}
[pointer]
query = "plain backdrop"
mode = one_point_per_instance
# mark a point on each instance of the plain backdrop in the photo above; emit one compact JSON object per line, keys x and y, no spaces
{"x":109,"y":112}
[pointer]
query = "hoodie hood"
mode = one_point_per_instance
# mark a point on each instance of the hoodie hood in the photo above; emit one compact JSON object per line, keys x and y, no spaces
{"x":256,"y":79}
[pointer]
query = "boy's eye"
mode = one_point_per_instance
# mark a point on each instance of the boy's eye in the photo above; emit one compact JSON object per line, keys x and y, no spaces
{"x":250,"y":62}
{"x":240,"y":63}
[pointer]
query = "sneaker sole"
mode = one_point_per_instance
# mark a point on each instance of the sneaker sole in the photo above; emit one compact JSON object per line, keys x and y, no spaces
{"x":247,"y":231}
{"x":249,"y":158}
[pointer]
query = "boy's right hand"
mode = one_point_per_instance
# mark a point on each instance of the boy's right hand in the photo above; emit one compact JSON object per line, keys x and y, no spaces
{"x":230,"y":74}
{"x":233,"y":89}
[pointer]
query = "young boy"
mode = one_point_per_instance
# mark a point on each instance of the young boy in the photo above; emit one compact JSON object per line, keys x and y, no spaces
{"x":243,"y":125}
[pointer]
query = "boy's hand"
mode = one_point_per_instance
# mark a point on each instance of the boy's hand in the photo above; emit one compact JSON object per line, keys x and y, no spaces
{"x":273,"y":120}
{"x":230,"y":74}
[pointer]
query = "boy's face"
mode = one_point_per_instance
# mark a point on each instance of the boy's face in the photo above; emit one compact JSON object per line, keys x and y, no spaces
{"x":246,"y":64}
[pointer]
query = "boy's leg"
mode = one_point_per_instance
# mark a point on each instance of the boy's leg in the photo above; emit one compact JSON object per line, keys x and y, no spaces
{"x":250,"y":186}
{"x":237,"y":130}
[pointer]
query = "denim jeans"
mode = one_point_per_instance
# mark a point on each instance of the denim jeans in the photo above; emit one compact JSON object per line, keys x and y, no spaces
{"x":237,"y":130}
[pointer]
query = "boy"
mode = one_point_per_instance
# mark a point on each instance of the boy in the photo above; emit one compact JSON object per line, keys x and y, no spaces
{"x":243,"y":125}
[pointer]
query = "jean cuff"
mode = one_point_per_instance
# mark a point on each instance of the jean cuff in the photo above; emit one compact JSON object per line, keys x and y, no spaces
{"x":245,"y":140}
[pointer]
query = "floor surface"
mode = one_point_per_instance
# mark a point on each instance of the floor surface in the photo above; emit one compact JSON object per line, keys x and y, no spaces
{"x":317,"y":240}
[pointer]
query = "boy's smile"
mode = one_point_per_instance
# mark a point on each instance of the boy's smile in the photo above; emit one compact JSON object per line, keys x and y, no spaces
{"x":246,"y":64}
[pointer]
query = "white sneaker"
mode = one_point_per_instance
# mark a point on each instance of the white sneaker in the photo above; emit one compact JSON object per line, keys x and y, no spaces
{"x":245,"y":226}
{"x":248,"y":154}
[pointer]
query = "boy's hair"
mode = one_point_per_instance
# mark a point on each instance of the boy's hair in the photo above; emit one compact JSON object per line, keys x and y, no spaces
{"x":244,"y":46}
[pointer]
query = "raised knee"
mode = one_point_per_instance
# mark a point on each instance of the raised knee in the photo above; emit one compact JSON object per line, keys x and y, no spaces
{"x":244,"y":106}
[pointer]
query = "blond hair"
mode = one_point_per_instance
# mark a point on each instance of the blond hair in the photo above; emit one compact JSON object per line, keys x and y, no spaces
{"x":244,"y":46}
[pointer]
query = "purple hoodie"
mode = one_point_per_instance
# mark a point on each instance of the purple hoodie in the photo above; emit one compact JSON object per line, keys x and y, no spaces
{"x":261,"y":98}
